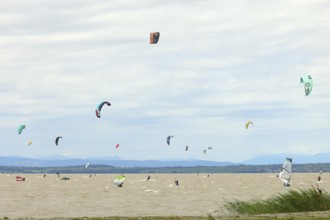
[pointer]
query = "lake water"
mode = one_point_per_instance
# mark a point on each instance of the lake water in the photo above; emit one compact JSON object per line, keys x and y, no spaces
{"x":82,"y":195}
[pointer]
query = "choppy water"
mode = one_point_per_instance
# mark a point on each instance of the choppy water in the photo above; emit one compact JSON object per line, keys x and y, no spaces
{"x":196,"y":195}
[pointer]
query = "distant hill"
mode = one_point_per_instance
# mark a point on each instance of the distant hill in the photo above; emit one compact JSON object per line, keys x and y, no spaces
{"x":296,"y":159}
{"x":116,"y":162}
{"x":61,"y":161}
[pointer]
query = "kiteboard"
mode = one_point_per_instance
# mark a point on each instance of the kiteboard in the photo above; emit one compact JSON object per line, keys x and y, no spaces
{"x":19,"y":178}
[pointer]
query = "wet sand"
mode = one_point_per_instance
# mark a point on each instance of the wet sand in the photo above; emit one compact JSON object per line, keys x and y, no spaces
{"x":82,"y":196}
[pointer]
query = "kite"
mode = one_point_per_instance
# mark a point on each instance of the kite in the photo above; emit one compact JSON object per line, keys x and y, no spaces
{"x":247,"y":124}
{"x":57,"y":139}
{"x":154,"y":37}
{"x":308,"y":84}
{"x":20,"y":128}
{"x":99,"y":108}
{"x":168,"y":139}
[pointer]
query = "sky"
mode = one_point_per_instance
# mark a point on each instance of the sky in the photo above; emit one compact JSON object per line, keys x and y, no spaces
{"x":217,"y":65}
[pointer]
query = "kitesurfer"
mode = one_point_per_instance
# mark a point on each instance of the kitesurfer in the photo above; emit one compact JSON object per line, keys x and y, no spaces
{"x":19,"y":178}
{"x":286,"y":184}
{"x":317,"y":189}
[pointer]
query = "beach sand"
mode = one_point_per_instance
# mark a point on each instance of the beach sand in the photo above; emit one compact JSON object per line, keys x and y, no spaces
{"x":82,"y":196}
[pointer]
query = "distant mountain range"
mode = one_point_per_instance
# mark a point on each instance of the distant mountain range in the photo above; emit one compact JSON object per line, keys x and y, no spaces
{"x":61,"y":161}
{"x":296,"y":159}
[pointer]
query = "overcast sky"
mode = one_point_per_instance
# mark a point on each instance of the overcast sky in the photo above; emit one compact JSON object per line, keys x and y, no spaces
{"x":217,"y":65}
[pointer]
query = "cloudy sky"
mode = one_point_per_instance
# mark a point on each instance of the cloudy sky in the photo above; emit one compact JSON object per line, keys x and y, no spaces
{"x":217,"y":65}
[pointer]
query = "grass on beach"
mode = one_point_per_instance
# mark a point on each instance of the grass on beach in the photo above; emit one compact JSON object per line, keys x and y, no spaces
{"x":293,"y":201}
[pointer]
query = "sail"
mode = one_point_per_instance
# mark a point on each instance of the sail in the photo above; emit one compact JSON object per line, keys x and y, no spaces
{"x":119,"y":181}
{"x":285,"y":174}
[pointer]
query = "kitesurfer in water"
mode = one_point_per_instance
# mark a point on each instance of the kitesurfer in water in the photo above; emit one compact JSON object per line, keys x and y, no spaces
{"x":317,"y":189}
{"x":121,"y":185}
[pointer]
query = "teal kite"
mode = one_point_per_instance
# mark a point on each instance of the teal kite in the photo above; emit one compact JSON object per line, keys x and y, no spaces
{"x":20,"y":128}
{"x":308,"y":84}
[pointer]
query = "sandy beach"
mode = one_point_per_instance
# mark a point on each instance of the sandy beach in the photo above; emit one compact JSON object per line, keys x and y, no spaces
{"x":96,"y":196}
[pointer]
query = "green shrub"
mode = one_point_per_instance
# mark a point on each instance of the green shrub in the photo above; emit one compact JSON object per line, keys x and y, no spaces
{"x":292,"y":201}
